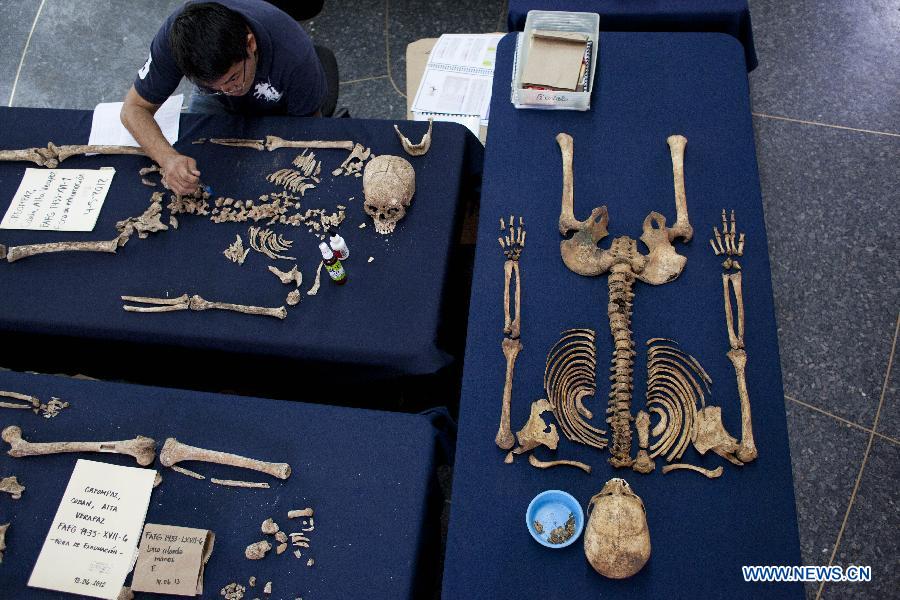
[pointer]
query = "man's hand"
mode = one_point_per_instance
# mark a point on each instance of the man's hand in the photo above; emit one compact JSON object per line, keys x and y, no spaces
{"x":180,"y":174}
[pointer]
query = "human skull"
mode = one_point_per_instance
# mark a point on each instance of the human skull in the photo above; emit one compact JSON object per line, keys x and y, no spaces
{"x":389,"y":183}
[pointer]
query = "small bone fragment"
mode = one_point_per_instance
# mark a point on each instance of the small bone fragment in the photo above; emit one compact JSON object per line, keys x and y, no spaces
{"x":174,"y":452}
{"x":147,"y":182}
{"x":294,"y":275}
{"x":3,"y":529}
{"x":281,"y":536}
{"x":173,"y":222}
{"x":143,"y":449}
{"x":236,"y":252}
{"x":297,"y":553}
{"x":187,"y":472}
{"x":233,"y":591}
{"x":315,"y":286}
{"x":362,"y":225}
{"x":198,"y":303}
{"x":540,"y":464}
{"x":267,"y":589}
{"x":241,"y":484}
{"x":293,"y":298}
{"x":312,"y":525}
{"x":125,"y":594}
{"x":15,"y":253}
{"x":275,"y":142}
{"x":281,"y":548}
{"x":510,"y":457}
{"x":298,"y":537}
{"x":416,"y":149}
{"x":157,"y":481}
{"x":252,"y":581}
{"x":303,"y":512}
{"x":712,"y":474}
{"x":238,"y":143}
{"x":270,"y":527}
{"x":258,"y":550}
{"x":310,"y":562}
{"x":11,"y":486}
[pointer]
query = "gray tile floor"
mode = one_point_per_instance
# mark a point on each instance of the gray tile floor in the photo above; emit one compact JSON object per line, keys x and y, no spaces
{"x":826,"y":101}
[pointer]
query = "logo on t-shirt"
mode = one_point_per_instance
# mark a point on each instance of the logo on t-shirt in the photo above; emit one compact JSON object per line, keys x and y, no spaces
{"x":146,"y":68}
{"x":265,"y":91}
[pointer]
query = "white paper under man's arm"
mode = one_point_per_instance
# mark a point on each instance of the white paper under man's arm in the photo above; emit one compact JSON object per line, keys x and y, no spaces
{"x":107,"y":128}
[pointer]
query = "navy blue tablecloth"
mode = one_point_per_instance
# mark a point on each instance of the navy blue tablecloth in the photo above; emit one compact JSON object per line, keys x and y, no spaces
{"x":702,"y":531}
{"x":390,"y":320}
{"x":715,"y":16}
{"x":368,"y":475}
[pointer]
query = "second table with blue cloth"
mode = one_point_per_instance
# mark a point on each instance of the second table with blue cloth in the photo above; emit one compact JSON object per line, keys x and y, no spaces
{"x":368,"y":476}
{"x":702,"y":531}
{"x":391,"y":319}
{"x":722,"y":16}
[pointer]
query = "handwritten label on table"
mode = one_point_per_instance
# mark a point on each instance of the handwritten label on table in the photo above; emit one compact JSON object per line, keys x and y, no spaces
{"x":91,"y":545}
{"x":58,"y":199}
{"x":172,"y":559}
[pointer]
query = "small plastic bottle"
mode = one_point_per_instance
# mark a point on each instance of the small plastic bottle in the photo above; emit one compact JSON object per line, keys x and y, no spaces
{"x":338,"y":245}
{"x":333,"y":265}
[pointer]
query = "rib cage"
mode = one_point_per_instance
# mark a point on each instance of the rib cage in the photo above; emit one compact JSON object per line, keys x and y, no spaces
{"x":673,"y":390}
{"x":569,"y":377}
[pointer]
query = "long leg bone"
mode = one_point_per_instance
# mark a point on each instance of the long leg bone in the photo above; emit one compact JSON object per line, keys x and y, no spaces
{"x":64,"y":152}
{"x":162,"y":304}
{"x":174,"y":452}
{"x":712,"y":474}
{"x":275,"y":142}
{"x":511,"y":349}
{"x":416,"y":149}
{"x":143,"y":449}
{"x":19,"y":252}
{"x":738,"y":357}
{"x":239,"y":143}
{"x":540,"y":464}
{"x":198,"y":303}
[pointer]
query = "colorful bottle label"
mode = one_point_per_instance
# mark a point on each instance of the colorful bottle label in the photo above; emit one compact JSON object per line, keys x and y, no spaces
{"x":336,"y":270}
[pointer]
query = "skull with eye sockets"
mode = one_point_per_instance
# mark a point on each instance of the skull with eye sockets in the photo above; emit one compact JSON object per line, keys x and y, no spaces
{"x":389,"y":183}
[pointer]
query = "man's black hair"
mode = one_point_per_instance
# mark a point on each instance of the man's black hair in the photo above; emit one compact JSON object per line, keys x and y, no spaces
{"x":207,"y":38}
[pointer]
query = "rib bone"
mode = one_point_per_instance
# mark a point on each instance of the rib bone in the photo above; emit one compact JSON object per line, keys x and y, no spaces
{"x":143,"y":449}
{"x":174,"y":452}
{"x":240,"y":484}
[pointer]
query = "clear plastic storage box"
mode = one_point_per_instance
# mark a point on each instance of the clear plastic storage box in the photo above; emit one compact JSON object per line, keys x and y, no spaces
{"x":579,"y":22}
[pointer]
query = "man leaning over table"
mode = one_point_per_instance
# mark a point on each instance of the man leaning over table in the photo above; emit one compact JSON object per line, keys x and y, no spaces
{"x":243,"y":57}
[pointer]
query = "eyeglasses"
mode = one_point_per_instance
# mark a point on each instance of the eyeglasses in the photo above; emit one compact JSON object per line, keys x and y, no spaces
{"x":228,"y":88}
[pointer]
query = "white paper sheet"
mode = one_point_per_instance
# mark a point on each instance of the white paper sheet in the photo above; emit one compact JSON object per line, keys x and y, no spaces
{"x":58,"y":199}
{"x":471,"y":123}
{"x":92,"y":543}
{"x":107,"y":128}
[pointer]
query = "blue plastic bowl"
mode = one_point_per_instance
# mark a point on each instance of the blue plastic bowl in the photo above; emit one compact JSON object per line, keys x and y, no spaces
{"x":552,"y":509}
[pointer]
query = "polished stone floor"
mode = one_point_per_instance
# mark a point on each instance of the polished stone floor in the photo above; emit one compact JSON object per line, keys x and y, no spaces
{"x":826,"y":110}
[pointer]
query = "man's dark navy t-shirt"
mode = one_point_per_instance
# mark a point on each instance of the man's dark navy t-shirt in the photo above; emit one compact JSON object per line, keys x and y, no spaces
{"x":289,"y":77}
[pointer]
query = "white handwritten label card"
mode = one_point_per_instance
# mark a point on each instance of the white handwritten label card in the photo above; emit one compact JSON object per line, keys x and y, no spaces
{"x":58,"y":199}
{"x":172,"y":559}
{"x":92,"y":542}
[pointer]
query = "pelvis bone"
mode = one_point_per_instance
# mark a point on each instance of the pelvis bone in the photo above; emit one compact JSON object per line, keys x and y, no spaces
{"x":625,"y":263}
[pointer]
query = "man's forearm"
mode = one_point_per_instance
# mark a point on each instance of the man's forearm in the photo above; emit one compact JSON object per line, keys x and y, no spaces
{"x":143,"y":127}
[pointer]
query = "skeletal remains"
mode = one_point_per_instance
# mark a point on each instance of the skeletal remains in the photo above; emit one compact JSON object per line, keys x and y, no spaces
{"x":293,"y":276}
{"x":568,"y":380}
{"x":236,"y":252}
{"x":355,"y":161}
{"x":143,"y":449}
{"x":146,"y":223}
{"x":174,"y":452}
{"x":616,"y":537}
{"x":197,"y":303}
{"x":48,"y":410}
{"x":416,"y":149}
{"x":52,"y":155}
{"x":746,"y":450}
{"x":512,"y":245}
{"x":269,"y":243}
{"x":535,"y":432}
{"x":389,"y":183}
{"x":10,"y":485}
{"x":540,"y":464}
{"x":625,"y":264}
{"x":307,"y":177}
{"x":274,"y":142}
